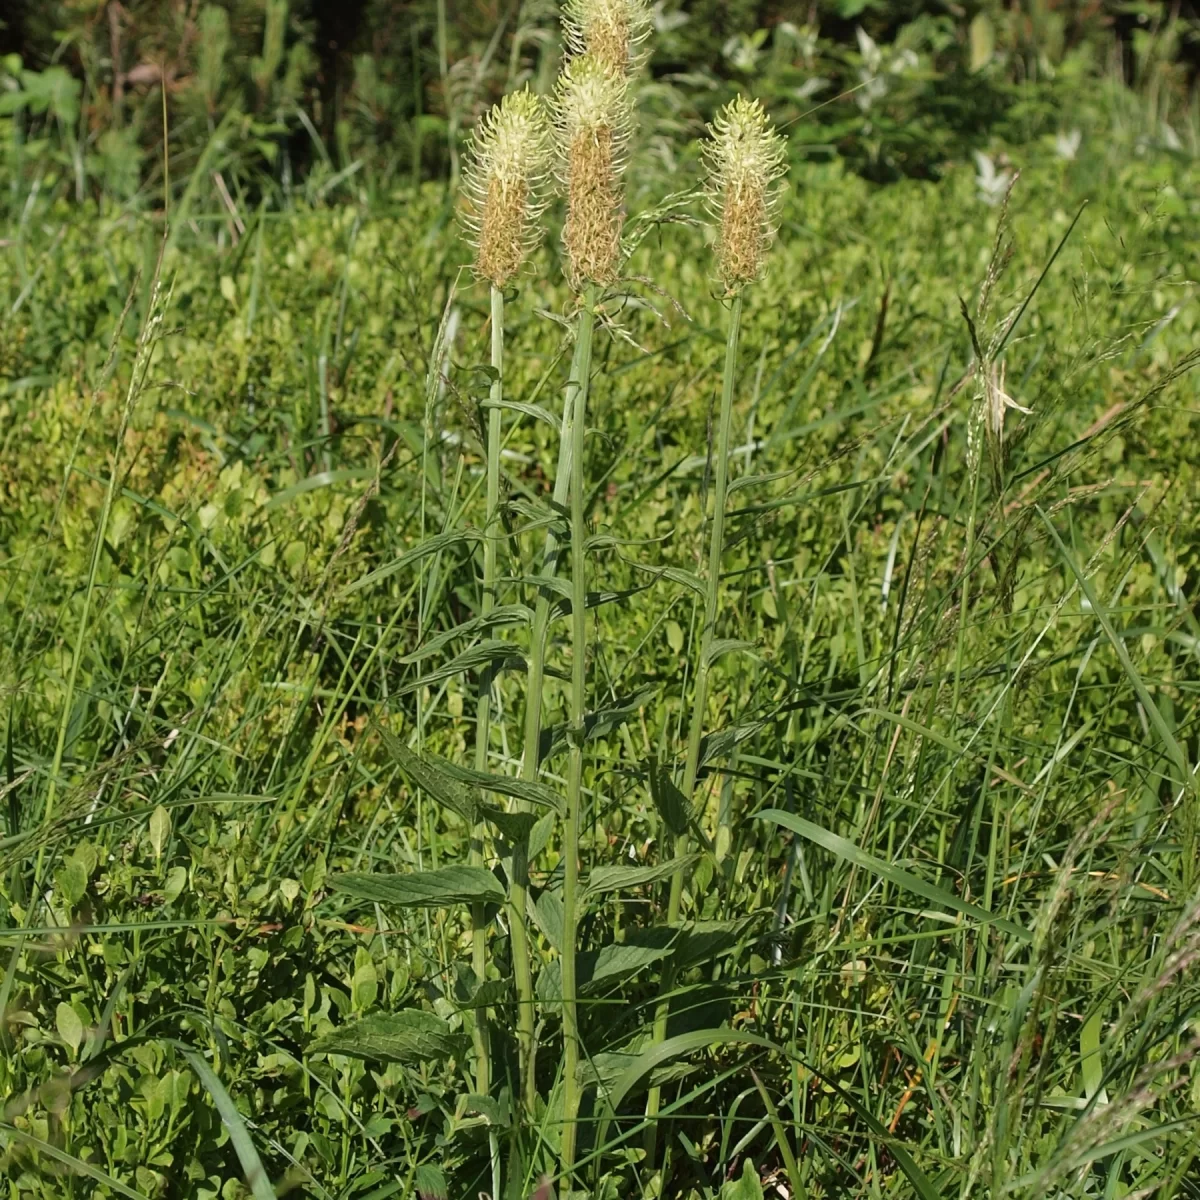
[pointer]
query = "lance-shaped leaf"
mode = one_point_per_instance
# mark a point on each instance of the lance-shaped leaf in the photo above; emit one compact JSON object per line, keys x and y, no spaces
{"x":504,"y":785}
{"x":429,"y":774}
{"x":410,"y":1036}
{"x":849,"y":852}
{"x":622,"y":878}
{"x":491,"y":650}
{"x":423,"y":889}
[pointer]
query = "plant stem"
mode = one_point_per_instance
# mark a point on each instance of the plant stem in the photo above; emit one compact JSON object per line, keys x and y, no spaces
{"x":518,"y":888}
{"x":716,"y":550}
{"x":483,"y":711}
{"x":576,"y":717}
{"x":968,"y":555}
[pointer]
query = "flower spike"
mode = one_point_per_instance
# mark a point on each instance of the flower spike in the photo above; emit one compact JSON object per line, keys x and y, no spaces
{"x":746,"y":158}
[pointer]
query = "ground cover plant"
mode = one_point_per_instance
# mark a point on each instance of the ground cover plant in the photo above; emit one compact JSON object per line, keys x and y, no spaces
{"x":504,"y":699}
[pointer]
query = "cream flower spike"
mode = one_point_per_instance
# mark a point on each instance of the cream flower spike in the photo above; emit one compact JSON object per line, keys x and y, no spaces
{"x":508,"y":162}
{"x":746,"y":158}
{"x":614,"y":31}
{"x":593,"y":117}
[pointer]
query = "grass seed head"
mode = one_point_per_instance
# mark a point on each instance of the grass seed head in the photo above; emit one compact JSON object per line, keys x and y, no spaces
{"x":504,"y":181}
{"x":746,"y":160}
{"x":593,"y":116}
{"x":613,"y":31}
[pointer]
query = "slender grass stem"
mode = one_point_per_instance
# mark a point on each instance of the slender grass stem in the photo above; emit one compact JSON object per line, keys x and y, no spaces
{"x":577,"y":714}
{"x":716,"y":550}
{"x":530,"y":760}
{"x":483,"y":711}
{"x":146,"y":342}
{"x":965,"y":592}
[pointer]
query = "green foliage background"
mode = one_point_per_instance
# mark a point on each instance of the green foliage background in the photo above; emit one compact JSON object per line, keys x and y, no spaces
{"x":260,"y":605}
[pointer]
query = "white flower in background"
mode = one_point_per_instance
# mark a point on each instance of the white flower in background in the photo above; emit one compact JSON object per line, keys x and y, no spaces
{"x":1066,"y":145}
{"x":1168,"y":138}
{"x":743,"y":50}
{"x":666,"y":22}
{"x":992,"y":184}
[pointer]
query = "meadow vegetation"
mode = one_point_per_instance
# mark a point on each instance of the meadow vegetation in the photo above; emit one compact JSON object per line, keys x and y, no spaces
{"x":527,"y":705}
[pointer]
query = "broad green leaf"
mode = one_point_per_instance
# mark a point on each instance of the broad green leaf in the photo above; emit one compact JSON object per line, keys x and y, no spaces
{"x":488,"y":993}
{"x":160,"y":830}
{"x":850,"y":853}
{"x":597,"y":970}
{"x":983,"y":41}
{"x":515,"y":826}
{"x":747,"y":1186}
{"x":622,"y":878}
{"x":673,"y":806}
{"x":409,"y":1036}
{"x":1091,"y":1064}
{"x":430,"y":1182}
{"x":423,"y":889}
{"x":69,"y":1026}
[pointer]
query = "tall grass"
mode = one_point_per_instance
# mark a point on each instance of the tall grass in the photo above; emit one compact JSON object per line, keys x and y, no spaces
{"x":347,"y":846}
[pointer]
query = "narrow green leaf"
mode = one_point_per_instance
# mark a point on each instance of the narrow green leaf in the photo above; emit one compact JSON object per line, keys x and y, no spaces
{"x":310,"y":483}
{"x":76,"y":1165}
{"x":850,"y":853}
{"x":433,"y":545}
{"x":423,"y":889}
{"x":482,"y":654}
{"x":707,"y":1039}
{"x":504,"y":614}
{"x":252,"y":1168}
{"x":720,"y":646}
{"x":1174,"y":749}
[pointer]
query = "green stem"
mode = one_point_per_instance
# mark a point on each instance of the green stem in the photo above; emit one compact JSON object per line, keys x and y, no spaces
{"x":522,"y":973}
{"x":969,"y":554}
{"x":716,"y":550}
{"x":577,"y":714}
{"x":483,"y":708}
